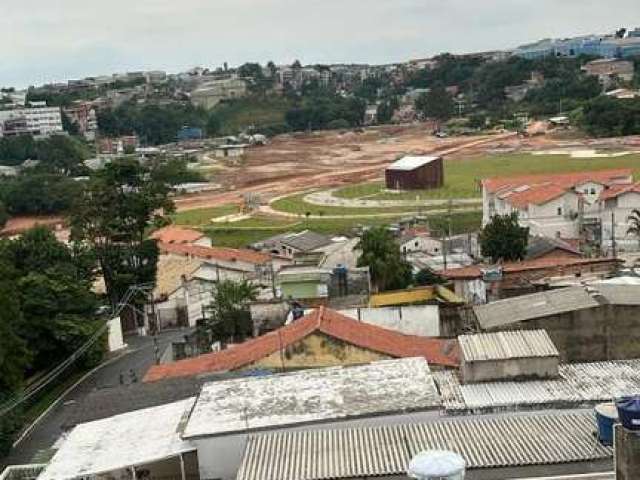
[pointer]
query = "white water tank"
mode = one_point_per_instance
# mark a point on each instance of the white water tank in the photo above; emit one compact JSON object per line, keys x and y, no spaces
{"x":437,"y":465}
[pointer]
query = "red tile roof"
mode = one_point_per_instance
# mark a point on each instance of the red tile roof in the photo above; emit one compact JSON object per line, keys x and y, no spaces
{"x":475,"y":271}
{"x":617,"y":190}
{"x":175,"y":234}
{"x":536,"y":194}
{"x":325,"y":321}
{"x":215,"y":253}
{"x":567,"y":180}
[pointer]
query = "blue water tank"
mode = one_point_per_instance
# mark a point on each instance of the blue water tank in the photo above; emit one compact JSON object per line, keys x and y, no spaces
{"x":606,"y":416}
{"x":629,"y":412}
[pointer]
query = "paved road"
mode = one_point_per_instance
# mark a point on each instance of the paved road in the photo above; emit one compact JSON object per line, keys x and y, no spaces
{"x":139,"y":357}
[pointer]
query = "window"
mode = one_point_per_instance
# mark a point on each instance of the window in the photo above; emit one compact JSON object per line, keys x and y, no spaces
{"x":559,"y":210}
{"x":593,"y":191}
{"x":416,"y":244}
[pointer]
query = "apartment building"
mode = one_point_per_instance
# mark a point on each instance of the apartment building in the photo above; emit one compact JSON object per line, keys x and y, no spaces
{"x":84,"y":116}
{"x":37,"y":120}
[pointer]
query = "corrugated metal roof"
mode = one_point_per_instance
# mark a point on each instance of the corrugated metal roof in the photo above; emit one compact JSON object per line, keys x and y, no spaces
{"x":485,"y":442}
{"x":505,"y":345}
{"x":411,"y":162}
{"x":577,"y":384}
{"x":536,"y":305}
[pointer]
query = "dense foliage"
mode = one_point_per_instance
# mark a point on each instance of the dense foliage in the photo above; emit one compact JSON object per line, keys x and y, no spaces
{"x":228,"y":318}
{"x":48,"y":311}
{"x":153,"y":123}
{"x":605,"y":116}
{"x":503,"y":239}
{"x":38,"y":193}
{"x":113,"y":214}
{"x":57,"y":153}
{"x":380,"y":252}
{"x":319,"y":109}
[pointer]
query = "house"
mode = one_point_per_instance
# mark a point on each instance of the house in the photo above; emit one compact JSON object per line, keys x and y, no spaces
{"x":173,"y":234}
{"x":545,"y":247}
{"x":229,"y":151}
{"x":293,"y":243}
{"x":371,"y":115}
{"x":83,"y":115}
{"x":219,"y":263}
{"x":320,"y":339}
{"x":415,"y":173}
{"x":37,"y":120}
{"x":609,"y":70}
{"x":212,"y":92}
{"x":307,"y":284}
{"x":562,"y":205}
{"x":415,"y":240}
{"x":482,"y":283}
{"x":508,"y":356}
{"x":178,"y":296}
{"x":589,"y":324}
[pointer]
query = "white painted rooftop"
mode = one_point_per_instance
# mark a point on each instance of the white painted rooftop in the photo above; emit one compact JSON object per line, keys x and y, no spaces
{"x":132,"y":439}
{"x":313,"y":396}
{"x":411,"y":162}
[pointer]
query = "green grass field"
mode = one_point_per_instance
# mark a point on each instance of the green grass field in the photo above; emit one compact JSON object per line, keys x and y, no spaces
{"x":203,"y":216}
{"x":462,"y":176}
{"x":296,"y":204}
{"x":240,"y":234}
{"x":241,"y":113}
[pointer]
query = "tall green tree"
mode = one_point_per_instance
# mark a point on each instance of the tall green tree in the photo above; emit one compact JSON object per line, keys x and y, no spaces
{"x":504,"y":239}
{"x":118,"y":206}
{"x":436,"y":104}
{"x":380,"y":252}
{"x":228,"y":316}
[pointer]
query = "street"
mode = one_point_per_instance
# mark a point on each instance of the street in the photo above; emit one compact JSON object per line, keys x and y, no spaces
{"x":35,"y":447}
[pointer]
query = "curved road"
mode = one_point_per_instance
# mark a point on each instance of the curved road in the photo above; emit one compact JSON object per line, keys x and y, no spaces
{"x":138,"y":357}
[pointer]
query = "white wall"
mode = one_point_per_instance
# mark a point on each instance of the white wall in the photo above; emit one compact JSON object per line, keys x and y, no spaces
{"x":421,"y":320}
{"x":115,"y":339}
{"x":428,"y":245}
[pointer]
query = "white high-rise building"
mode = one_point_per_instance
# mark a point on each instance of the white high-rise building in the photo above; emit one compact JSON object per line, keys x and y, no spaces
{"x":37,"y":120}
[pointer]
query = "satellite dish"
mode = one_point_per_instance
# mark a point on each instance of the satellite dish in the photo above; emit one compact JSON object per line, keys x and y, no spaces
{"x":437,"y":465}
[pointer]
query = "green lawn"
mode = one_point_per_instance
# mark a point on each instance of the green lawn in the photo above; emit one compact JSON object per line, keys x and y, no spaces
{"x":203,"y":216}
{"x":237,"y":234}
{"x":462,"y":176}
{"x":243,"y":112}
{"x":296,"y":204}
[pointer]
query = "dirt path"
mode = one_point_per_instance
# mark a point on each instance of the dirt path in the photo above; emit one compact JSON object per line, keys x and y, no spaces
{"x":313,"y":170}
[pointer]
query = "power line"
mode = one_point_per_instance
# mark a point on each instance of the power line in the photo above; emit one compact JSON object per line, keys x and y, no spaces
{"x":17,"y":400}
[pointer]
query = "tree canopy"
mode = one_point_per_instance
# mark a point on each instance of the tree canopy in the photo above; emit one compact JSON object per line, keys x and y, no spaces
{"x":228,"y":317}
{"x":113,"y":214}
{"x":504,"y":239}
{"x":436,"y":104}
{"x":380,"y":252}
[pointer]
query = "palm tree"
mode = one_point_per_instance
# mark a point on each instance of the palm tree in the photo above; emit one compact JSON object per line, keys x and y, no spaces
{"x":634,"y":223}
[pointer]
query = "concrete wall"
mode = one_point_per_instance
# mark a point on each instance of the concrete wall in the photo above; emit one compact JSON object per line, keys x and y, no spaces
{"x":627,"y":453}
{"x":607,"y":332}
{"x":317,"y":351}
{"x":115,"y":340}
{"x":422,"y":320}
{"x":510,"y":369}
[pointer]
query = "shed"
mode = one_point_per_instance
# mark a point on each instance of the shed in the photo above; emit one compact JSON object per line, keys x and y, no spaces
{"x":415,"y":173}
{"x":508,"y":355}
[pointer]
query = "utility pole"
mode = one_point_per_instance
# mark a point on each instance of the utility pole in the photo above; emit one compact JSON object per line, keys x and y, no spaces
{"x":613,"y":235}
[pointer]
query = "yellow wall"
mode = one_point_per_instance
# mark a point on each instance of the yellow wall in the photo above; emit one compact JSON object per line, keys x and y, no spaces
{"x":318,"y":350}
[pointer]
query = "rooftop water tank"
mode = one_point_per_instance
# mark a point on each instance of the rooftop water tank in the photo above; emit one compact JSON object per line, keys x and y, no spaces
{"x":607,"y":416}
{"x":629,"y":412}
{"x":437,"y":465}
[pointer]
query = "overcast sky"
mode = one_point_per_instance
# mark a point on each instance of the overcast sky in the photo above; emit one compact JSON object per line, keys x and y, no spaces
{"x":54,"y":40}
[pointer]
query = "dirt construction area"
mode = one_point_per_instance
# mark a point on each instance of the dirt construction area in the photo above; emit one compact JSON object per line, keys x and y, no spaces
{"x":294,"y":163}
{"x":299,"y":162}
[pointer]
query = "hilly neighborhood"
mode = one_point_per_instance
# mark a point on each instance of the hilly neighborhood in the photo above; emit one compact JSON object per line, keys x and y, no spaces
{"x":427,"y":269}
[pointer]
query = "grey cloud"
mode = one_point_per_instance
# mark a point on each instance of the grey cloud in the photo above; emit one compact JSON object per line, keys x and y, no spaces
{"x":59,"y":39}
